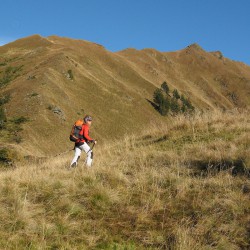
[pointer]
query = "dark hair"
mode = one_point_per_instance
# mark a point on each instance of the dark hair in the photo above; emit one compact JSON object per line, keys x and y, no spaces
{"x":87,"y":118}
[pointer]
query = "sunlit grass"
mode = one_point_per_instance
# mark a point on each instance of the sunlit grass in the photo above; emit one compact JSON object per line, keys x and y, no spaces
{"x":172,"y":187}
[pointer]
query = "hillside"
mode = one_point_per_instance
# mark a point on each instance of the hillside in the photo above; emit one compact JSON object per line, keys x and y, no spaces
{"x":53,"y":81}
{"x":183,"y":185}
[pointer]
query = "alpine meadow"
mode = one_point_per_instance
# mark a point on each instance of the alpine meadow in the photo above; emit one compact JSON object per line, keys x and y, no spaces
{"x":171,"y":167}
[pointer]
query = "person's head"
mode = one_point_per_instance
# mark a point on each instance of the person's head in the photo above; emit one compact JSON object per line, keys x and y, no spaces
{"x":87,"y":119}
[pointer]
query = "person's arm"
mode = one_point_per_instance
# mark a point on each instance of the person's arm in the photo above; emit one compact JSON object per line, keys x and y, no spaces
{"x":86,"y":134}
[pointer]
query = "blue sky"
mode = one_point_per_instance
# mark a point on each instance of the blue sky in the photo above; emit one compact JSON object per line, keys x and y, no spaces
{"x":118,"y":24}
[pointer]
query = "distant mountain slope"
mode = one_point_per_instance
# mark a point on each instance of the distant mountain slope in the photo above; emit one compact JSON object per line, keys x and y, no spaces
{"x":57,"y":80}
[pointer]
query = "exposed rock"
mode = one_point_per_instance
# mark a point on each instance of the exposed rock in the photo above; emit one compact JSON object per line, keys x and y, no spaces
{"x":59,"y":112}
{"x":31,"y":77}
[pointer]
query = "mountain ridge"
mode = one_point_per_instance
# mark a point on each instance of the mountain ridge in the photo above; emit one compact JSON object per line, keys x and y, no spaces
{"x":112,"y":86}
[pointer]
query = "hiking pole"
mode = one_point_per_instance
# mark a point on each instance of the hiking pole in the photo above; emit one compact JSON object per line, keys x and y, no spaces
{"x":64,"y":152}
{"x":91,"y":147}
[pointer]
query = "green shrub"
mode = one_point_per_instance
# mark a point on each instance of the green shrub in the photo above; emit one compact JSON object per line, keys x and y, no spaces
{"x":5,"y":80}
{"x":16,"y":69}
{"x":183,"y":108}
{"x":50,"y":107}
{"x":19,"y":120}
{"x":2,"y":115}
{"x":4,"y":99}
{"x":2,"y":125}
{"x":33,"y":94}
{"x":186,"y":104}
{"x":3,"y":64}
{"x":7,"y":157}
{"x":4,"y":155}
{"x":9,"y":75}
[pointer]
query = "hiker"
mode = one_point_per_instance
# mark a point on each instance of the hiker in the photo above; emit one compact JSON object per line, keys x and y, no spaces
{"x":82,"y":143}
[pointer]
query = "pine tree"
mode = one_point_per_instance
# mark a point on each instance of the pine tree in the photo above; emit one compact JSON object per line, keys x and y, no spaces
{"x":161,"y":101}
{"x":165,"y":87}
{"x":183,"y":99}
{"x":174,"y":106}
{"x":176,"y":94}
{"x":186,"y":104}
{"x":164,"y":107}
{"x":183,"y":108}
{"x":158,"y":96}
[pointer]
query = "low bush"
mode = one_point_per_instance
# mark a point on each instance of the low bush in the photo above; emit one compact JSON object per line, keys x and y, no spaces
{"x":10,"y":74}
{"x":19,"y":120}
{"x":3,"y":117}
{"x":4,"y":99}
{"x":7,"y":157}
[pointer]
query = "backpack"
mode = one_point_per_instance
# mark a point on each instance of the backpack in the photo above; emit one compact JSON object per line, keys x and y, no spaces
{"x":75,"y":131}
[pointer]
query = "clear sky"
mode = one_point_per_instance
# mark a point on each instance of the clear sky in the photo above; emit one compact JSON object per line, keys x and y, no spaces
{"x":165,"y":25}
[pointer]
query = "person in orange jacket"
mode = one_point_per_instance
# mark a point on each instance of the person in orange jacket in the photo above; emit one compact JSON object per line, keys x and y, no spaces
{"x":82,"y":144}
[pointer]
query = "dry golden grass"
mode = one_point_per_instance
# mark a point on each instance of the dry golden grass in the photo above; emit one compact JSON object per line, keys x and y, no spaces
{"x":171,"y":187}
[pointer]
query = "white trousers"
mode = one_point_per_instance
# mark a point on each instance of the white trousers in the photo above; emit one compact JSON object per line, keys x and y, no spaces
{"x":78,"y":150}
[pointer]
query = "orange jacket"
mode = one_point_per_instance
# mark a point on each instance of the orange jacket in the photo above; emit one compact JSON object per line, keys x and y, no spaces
{"x":85,"y":134}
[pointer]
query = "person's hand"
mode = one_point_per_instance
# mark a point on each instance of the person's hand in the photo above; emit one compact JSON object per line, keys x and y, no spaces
{"x":95,"y":141}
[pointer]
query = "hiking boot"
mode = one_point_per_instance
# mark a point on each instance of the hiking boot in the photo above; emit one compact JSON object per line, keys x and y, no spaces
{"x":73,"y":165}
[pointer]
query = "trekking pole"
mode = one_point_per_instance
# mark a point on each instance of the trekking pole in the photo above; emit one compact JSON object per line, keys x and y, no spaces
{"x":63,"y":152}
{"x":91,"y":147}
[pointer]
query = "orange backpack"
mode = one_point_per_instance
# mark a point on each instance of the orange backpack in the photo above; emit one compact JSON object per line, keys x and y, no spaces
{"x":75,"y":131}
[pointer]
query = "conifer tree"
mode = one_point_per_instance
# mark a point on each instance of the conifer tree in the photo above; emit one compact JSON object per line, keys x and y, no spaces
{"x":176,"y":94}
{"x":186,"y":104}
{"x":158,"y":96}
{"x":165,"y":87}
{"x":174,"y":106}
{"x":161,"y":101}
{"x":164,"y":107}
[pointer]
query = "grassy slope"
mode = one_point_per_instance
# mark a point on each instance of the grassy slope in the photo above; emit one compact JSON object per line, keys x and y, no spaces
{"x":98,"y":88}
{"x":170,"y":187}
{"x":113,"y":87}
